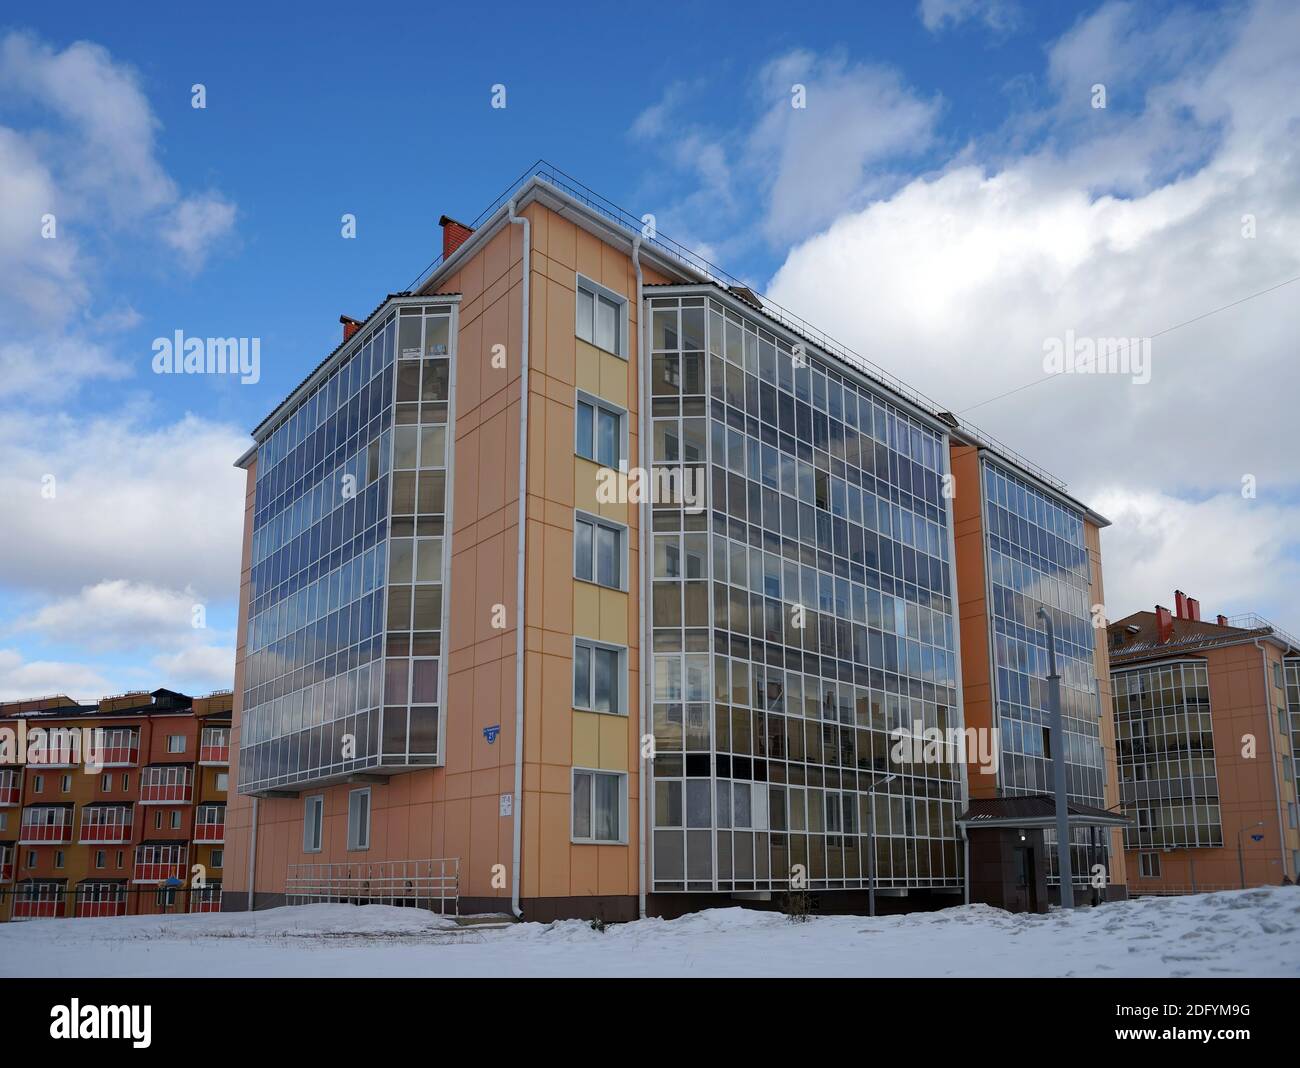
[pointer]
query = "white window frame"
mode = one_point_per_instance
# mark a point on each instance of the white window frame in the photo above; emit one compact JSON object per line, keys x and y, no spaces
{"x":610,"y":524}
{"x":622,"y":805}
{"x":598,"y":292}
{"x":599,"y":404}
{"x":355,"y":843}
{"x":219,"y":858}
{"x":174,"y":738}
{"x":313,"y":816}
{"x":1149,"y":865}
{"x":620,"y":673}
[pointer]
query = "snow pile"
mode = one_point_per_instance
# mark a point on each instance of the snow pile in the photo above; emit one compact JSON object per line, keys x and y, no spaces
{"x":1237,"y":933}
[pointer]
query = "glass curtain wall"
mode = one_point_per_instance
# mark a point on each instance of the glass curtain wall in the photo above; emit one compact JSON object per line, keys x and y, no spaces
{"x":797,"y":618}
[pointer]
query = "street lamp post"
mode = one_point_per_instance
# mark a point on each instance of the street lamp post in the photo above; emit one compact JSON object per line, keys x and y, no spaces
{"x":1058,"y":767}
{"x":871,"y":842}
{"x":1241,"y":857}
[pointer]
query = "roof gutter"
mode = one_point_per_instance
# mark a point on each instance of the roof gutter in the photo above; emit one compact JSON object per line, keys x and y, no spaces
{"x":521,"y":552}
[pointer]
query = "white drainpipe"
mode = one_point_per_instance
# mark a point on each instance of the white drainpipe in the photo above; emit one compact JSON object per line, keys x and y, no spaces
{"x":521,"y":555}
{"x":643,"y":436}
{"x":1272,"y":755}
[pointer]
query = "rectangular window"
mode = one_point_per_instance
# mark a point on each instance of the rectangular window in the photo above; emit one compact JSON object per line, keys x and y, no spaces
{"x":223,"y":781}
{"x":106,"y":782}
{"x":359,"y":819}
{"x":58,"y":858}
{"x":218,"y":858}
{"x":313,"y":824}
{"x":1149,"y":865}
{"x":599,"y":671}
{"x":598,"y":551}
{"x":65,"y":784}
{"x":38,"y":784}
{"x":175,"y":743}
{"x":100,"y":858}
{"x":600,"y":317}
{"x":599,"y":431}
{"x":599,"y":807}
{"x":176,"y":820}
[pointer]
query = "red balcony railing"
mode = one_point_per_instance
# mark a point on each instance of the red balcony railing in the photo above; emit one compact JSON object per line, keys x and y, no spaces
{"x":119,"y":756}
{"x":113,"y":827}
{"x":45,"y":832}
{"x":153,"y":865}
{"x":210,"y":833}
{"x":214,"y":747}
{"x":10,"y":791}
{"x":107,"y":900}
{"x":206,"y":900}
{"x":39,"y":901}
{"x":166,"y":786}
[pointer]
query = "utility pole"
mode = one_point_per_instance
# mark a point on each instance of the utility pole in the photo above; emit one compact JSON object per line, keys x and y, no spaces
{"x":1058,"y":767}
{"x":1241,"y":857}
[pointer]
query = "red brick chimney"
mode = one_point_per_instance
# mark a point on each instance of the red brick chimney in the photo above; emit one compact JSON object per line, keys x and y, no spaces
{"x":1180,"y":604}
{"x":1164,"y":624}
{"x":1222,"y":620}
{"x":1193,"y":609}
{"x":454,"y":234}
{"x":350,"y":325}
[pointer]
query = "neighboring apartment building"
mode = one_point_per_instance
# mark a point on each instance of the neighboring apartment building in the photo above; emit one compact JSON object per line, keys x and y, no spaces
{"x":423,"y":695}
{"x":105,"y":809}
{"x":1207,"y":720}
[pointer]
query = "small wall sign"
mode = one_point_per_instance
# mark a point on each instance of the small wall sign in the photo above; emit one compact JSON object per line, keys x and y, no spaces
{"x":490,"y":733}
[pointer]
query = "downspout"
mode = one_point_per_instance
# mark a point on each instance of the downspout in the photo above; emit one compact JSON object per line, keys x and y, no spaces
{"x":252,"y":857}
{"x":642,"y":424}
{"x":521,"y":556}
{"x":1272,"y":754}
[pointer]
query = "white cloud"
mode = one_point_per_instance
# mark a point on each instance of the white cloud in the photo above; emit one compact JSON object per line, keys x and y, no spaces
{"x":135,"y":499}
{"x":998,"y":15}
{"x":1233,"y":554}
{"x":117,"y":614}
{"x":816,"y":158}
{"x":196,"y":223}
{"x":1130,"y":225}
{"x":21,"y":678}
{"x":198,"y":667}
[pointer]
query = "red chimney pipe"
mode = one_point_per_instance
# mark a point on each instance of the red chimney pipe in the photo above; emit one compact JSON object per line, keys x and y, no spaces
{"x":1222,"y":620}
{"x":1193,"y":609}
{"x":1164,"y":624}
{"x":1180,"y":604}
{"x":350,"y":326}
{"x":454,"y":234}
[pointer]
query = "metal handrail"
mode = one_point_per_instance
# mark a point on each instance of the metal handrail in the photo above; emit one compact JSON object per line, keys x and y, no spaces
{"x":575,"y":189}
{"x":420,"y":883}
{"x":1253,"y":621}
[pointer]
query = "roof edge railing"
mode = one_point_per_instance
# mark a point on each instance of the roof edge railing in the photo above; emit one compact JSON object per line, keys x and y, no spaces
{"x":573,"y":188}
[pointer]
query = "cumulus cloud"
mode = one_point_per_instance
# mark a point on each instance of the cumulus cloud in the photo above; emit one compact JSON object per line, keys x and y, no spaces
{"x":21,"y":678}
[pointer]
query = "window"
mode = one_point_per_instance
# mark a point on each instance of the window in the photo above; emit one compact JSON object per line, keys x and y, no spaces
{"x":599,"y":683}
{"x":599,"y":431}
{"x":100,"y":858}
{"x":1277,"y":675}
{"x":223,"y":781}
{"x":121,"y":856}
{"x":600,"y":317}
{"x":1149,"y":865}
{"x":175,"y":743}
{"x":58,"y":858}
{"x":176,"y":819}
{"x":598,"y":806}
{"x":598,"y":550}
{"x":65,"y":784}
{"x":38,"y":784}
{"x":31,"y":858}
{"x":218,"y":858}
{"x":359,"y":819}
{"x":313,"y":823}
{"x":126,"y":782}
{"x":106,"y":782}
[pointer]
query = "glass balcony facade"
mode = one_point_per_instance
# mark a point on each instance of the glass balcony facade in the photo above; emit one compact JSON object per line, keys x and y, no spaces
{"x":344,"y":669}
{"x":1165,"y":756}
{"x":799,"y":615}
{"x":1037,"y":558}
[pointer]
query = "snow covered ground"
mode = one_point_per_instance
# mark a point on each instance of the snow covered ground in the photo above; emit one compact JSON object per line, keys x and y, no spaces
{"x":1238,"y":933}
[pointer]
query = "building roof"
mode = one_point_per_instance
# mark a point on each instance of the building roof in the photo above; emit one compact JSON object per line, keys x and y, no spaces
{"x":1140,"y":637}
{"x":1034,"y":810}
{"x":159,"y":702}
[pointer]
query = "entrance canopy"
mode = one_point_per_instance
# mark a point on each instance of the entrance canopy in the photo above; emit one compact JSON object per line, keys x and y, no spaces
{"x":1034,"y":810}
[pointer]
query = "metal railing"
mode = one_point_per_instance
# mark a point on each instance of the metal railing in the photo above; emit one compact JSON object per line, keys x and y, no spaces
{"x":571,"y":187}
{"x":1251,"y":621}
{"x":416,"y":883}
{"x":1179,"y":891}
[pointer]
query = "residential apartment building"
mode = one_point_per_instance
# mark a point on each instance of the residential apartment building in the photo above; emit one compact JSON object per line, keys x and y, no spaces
{"x":115,"y":808}
{"x":1207,"y":723}
{"x":585,"y":583}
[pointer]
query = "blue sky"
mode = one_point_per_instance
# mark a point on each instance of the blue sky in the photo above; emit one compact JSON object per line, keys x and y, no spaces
{"x":949,"y":199}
